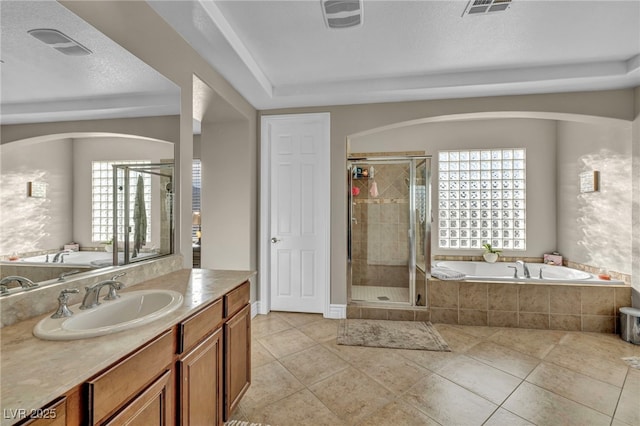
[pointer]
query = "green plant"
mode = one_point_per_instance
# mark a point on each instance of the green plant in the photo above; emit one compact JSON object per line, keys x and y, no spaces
{"x":488,"y":249}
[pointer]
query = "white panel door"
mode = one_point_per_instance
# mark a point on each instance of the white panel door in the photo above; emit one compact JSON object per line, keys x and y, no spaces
{"x":299,"y":213}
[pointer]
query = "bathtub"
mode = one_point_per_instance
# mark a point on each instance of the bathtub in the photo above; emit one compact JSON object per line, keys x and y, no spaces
{"x":501,"y":271}
{"x":94,"y":259}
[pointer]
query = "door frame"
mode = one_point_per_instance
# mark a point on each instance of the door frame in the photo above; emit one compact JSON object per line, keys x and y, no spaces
{"x":264,"y":274}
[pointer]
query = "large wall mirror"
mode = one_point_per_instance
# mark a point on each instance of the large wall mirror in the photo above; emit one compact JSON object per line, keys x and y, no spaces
{"x":74,"y":104}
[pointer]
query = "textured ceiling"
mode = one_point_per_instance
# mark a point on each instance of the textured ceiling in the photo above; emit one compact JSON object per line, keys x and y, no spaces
{"x":280,"y":53}
{"x":41,"y":84}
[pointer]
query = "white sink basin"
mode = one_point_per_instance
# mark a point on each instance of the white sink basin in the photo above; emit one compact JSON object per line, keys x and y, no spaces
{"x":131,"y":310}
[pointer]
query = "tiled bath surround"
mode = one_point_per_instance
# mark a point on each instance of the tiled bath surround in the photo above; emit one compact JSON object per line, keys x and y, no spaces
{"x":567,"y":307}
{"x":547,"y":307}
{"x":553,"y":307}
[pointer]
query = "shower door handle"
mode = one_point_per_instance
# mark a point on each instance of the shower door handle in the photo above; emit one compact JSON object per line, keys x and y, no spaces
{"x":275,"y":240}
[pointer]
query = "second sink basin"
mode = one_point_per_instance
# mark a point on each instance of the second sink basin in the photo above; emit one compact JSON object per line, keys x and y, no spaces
{"x":131,"y":310}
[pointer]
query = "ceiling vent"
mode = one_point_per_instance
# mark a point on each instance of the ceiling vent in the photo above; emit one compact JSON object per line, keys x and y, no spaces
{"x":482,"y":7}
{"x":59,"y":41}
{"x":342,"y":13}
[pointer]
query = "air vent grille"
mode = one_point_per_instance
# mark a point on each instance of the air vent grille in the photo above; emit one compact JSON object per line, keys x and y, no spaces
{"x":342,"y":13}
{"x":60,"y":41}
{"x":482,"y":7}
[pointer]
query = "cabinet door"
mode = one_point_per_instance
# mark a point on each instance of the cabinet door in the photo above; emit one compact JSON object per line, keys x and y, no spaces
{"x":237,"y":369}
{"x":200,"y":373}
{"x":152,"y":407}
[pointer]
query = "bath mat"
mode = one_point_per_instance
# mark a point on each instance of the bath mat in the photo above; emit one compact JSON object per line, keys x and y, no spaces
{"x":242,"y":423}
{"x":391,"y":334}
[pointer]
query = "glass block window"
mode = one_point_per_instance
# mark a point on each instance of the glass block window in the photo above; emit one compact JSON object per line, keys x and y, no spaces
{"x":102,"y":200}
{"x":196,"y":180}
{"x":482,"y":199}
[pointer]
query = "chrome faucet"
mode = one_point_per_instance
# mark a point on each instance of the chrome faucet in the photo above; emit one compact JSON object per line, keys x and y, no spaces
{"x":93,"y":292}
{"x":63,"y":299}
{"x":66,"y":274}
{"x":59,"y":256}
{"x":25,"y":283}
{"x":525,"y":268}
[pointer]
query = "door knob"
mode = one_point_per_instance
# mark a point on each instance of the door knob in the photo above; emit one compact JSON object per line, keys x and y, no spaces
{"x":275,"y":240}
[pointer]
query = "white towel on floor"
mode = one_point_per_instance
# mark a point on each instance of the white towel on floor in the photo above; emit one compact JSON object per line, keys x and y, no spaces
{"x":443,"y":273}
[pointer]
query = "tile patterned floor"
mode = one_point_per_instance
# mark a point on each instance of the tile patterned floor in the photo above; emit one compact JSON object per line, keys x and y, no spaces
{"x":493,"y":376}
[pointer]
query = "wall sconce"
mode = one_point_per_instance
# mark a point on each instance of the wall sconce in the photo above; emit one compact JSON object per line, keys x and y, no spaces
{"x":197,"y":221}
{"x":37,"y":189}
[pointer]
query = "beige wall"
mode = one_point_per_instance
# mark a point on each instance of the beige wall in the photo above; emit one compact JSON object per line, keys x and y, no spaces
{"x":594,"y":227}
{"x":138,"y":28}
{"x":33,"y":224}
{"x":538,"y":137}
{"x":349,"y":120}
{"x":228,"y":170}
{"x":87,"y":150}
{"x":64,"y":164}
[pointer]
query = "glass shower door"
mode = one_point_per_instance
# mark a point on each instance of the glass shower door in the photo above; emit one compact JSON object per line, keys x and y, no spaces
{"x":388,"y":215}
{"x":422,"y":226}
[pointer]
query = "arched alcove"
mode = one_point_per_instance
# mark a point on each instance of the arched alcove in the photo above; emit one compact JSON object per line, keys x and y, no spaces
{"x":559,"y":147}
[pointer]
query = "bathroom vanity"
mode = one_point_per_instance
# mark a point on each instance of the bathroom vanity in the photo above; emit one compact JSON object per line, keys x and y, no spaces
{"x":191,"y":367}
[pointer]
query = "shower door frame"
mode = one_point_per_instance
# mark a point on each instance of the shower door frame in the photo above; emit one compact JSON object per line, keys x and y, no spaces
{"x":150,"y":169}
{"x":413,"y":162}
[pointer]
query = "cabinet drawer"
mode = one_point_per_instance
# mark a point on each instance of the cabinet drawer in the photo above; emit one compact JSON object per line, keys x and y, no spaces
{"x":118,"y":384}
{"x":195,"y":328}
{"x":236,"y":299}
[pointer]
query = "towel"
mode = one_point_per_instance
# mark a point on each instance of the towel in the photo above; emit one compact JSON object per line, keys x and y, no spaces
{"x":443,"y":273}
{"x":373,"y":191}
{"x":139,"y":218}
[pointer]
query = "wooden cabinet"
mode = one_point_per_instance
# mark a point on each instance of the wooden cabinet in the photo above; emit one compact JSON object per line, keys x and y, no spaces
{"x":200,"y":388}
{"x":200,"y":367}
{"x":237,"y":347}
{"x":117,"y":387}
{"x":192,"y":374}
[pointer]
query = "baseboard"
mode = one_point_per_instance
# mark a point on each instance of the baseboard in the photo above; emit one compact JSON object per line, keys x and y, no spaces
{"x":337,"y":312}
{"x":255,"y":309}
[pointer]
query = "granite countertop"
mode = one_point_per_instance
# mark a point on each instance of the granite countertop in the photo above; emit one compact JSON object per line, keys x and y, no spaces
{"x":34,"y":372}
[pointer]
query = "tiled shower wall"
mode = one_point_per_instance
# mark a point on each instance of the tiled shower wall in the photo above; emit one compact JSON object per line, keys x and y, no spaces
{"x":380,"y":237}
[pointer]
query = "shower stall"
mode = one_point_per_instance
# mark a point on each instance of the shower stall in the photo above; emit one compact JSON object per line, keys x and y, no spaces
{"x":143,"y":211}
{"x":389,"y":237}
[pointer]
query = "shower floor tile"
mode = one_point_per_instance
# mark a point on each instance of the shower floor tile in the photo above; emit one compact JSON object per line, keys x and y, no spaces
{"x":379,"y":294}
